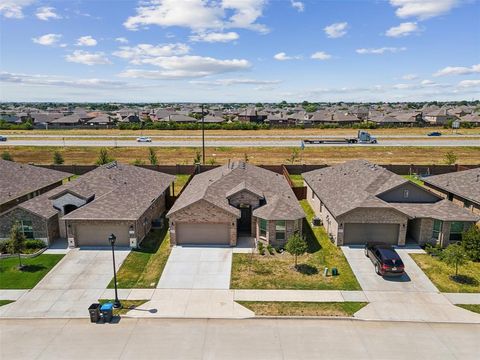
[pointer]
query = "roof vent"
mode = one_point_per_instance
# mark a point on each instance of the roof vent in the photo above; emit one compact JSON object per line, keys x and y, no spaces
{"x":111,"y":165}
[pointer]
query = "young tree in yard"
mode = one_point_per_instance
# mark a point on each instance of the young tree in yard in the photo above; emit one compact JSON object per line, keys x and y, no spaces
{"x":17,"y":242}
{"x":58,"y":158}
{"x":294,"y":156}
{"x":454,"y":255}
{"x":152,"y":156}
{"x":296,"y":246}
{"x":450,"y":158}
{"x":103,"y":157}
{"x":198,"y":157}
{"x":471,"y":243}
{"x":6,"y":156}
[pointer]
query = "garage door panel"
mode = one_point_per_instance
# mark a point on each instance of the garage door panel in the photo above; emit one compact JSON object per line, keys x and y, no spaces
{"x":97,"y":234}
{"x":203,"y":234}
{"x":361,"y":233}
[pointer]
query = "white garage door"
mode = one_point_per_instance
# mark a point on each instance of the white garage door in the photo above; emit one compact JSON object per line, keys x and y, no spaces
{"x":362,"y":233}
{"x":97,"y":234}
{"x":203,"y":234}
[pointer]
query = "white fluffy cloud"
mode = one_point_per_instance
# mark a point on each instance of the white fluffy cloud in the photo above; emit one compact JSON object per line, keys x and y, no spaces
{"x":121,"y":40}
{"x":229,"y":82}
{"x":86,"y":41}
{"x":214,"y":37}
{"x":469,"y":83}
{"x":59,"y":81}
{"x":298,"y":5}
{"x":46,"y":13}
{"x":410,"y":77}
{"x":189,"y":66}
{"x":458,"y":70}
{"x":281,"y":56}
{"x":336,"y":30}
{"x":199,"y":15}
{"x":88,"y":58}
{"x":380,"y":51}
{"x":47,"y":39}
{"x":422,"y":9}
{"x":321,"y":55}
{"x":404,"y":29}
{"x":142,"y":52}
{"x":13,"y":9}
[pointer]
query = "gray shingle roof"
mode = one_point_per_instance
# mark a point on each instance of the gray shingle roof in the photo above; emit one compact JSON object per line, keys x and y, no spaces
{"x":214,"y":186}
{"x":19,"y":179}
{"x":119,"y":192}
{"x":442,"y":210}
{"x":465,"y":184}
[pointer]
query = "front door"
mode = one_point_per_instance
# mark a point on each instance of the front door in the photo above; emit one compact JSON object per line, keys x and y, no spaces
{"x":245,"y":221}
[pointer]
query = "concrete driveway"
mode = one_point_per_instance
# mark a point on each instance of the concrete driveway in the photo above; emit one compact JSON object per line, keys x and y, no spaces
{"x":78,"y":280}
{"x":202,"y":267}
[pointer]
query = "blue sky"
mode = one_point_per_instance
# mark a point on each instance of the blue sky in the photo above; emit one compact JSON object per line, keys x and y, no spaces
{"x":239,"y":50}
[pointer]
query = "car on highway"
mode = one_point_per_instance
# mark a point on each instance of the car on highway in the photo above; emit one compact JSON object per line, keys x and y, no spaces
{"x":385,"y":259}
{"x":434,"y":133}
{"x":144,"y":139}
{"x":3,"y":138}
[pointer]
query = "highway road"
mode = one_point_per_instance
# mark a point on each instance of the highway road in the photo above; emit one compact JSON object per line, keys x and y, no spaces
{"x":189,"y":339}
{"x":230,"y":143}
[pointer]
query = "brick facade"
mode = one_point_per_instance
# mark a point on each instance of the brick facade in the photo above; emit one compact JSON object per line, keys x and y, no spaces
{"x":39,"y":224}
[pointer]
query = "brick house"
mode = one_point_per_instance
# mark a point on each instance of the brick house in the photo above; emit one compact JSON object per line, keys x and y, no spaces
{"x":359,"y":202}
{"x":21,"y":182}
{"x":114,"y":198}
{"x":462,"y":188}
{"x":232,"y":200}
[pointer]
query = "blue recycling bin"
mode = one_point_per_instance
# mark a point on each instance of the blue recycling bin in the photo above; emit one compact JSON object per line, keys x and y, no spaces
{"x":107,"y":312}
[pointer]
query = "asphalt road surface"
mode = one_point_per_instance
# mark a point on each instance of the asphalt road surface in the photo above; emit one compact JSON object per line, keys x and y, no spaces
{"x":236,"y":339}
{"x":230,"y":143}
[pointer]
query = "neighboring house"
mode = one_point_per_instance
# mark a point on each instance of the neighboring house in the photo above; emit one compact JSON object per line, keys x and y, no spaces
{"x":473,"y":119}
{"x":360,"y":202}
{"x":21,"y":182}
{"x":235,"y":199}
{"x":462,"y":188}
{"x":115,"y":198}
{"x":438,"y":117}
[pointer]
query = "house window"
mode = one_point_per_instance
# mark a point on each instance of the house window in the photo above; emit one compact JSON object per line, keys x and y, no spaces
{"x":456,"y":230}
{"x":263,"y":228}
{"x":27,"y":229}
{"x":405,"y":194}
{"x":280,"y":230}
{"x":437,"y":228}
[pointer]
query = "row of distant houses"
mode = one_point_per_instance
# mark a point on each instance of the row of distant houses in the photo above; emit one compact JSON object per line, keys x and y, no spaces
{"x":271,"y":116}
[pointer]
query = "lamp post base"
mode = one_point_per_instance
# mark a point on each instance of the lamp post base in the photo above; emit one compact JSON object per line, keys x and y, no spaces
{"x":117,"y":304}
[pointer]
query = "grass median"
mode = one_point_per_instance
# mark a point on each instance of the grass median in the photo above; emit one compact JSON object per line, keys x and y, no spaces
{"x":471,"y":307}
{"x":294,"y":308}
{"x":143,"y":266}
{"x":277,"y":271}
{"x":33,"y":271}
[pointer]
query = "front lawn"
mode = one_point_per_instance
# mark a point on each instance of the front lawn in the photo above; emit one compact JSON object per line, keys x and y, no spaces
{"x":277,"y":271}
{"x":5,"y":302}
{"x":297,"y":180}
{"x":34,"y":270}
{"x":127,"y":305}
{"x":143,"y":267}
{"x":475,"y":308}
{"x":294,"y":308}
{"x":439,"y":273}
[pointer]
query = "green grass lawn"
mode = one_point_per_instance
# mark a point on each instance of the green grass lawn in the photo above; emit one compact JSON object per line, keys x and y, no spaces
{"x":180,"y":181}
{"x":277,"y":271}
{"x":5,"y":302}
{"x":294,"y":308}
{"x":297,"y":180}
{"x":127,"y":305}
{"x":35,"y":269}
{"x":414,"y":179}
{"x":439,"y":273}
{"x":143,"y":267}
{"x":474,"y":308}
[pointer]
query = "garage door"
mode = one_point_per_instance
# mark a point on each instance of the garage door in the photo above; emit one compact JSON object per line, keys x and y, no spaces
{"x":97,"y":235}
{"x":203,"y":234}
{"x":362,"y":233}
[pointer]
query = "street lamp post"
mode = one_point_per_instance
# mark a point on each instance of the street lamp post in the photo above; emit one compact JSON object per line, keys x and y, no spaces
{"x":116,"y":304}
{"x":203,"y":136}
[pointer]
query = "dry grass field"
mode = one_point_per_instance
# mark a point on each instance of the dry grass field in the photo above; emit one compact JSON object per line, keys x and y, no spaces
{"x":261,"y":155}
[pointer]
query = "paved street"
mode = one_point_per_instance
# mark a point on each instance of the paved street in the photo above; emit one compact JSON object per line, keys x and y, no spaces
{"x":233,"y":143}
{"x":236,"y":339}
{"x":78,"y":280}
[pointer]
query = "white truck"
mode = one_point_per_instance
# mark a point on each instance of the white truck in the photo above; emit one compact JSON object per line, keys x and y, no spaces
{"x":363,"y":137}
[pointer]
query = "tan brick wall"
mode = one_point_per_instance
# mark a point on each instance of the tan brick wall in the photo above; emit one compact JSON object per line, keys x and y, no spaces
{"x":246,"y":198}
